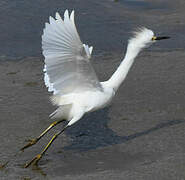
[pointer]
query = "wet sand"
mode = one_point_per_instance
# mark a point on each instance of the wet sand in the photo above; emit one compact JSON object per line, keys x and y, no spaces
{"x":140,"y":136}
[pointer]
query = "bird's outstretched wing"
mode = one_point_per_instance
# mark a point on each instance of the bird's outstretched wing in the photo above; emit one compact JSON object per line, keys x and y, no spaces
{"x":67,"y":67}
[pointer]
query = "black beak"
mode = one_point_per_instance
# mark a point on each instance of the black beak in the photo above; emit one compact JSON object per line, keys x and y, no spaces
{"x":160,"y":38}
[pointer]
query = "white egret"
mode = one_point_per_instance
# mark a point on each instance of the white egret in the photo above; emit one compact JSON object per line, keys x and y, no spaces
{"x":68,"y":73}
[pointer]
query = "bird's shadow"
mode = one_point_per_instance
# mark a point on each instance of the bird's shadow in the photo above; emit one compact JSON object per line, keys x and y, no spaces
{"x":92,"y":132}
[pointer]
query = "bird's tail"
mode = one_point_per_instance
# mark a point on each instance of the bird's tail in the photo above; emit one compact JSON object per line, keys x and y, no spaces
{"x":62,"y":112}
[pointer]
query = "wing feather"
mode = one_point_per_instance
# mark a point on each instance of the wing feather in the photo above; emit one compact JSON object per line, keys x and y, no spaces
{"x":67,"y":67}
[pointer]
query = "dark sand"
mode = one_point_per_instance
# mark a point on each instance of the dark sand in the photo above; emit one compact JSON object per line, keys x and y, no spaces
{"x":139,"y":137}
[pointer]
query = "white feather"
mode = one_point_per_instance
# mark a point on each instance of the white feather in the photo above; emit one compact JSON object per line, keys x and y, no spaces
{"x":69,"y":73}
{"x":142,"y":37}
{"x":47,"y":82}
{"x":91,"y":49}
{"x":67,"y":65}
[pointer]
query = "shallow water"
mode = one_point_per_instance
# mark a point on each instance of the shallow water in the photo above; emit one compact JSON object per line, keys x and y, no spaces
{"x":141,"y":136}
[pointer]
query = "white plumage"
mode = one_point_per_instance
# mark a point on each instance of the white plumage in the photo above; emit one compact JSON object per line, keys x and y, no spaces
{"x":67,"y":70}
{"x":66,"y":59}
{"x":68,"y":73}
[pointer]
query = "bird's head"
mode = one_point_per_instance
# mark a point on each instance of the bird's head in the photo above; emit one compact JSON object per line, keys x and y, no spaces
{"x":144,"y":37}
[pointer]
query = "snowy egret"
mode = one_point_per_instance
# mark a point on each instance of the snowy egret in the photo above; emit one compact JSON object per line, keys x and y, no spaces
{"x":68,"y":73}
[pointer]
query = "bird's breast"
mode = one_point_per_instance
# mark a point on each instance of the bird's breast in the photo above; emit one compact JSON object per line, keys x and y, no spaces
{"x":97,"y":100}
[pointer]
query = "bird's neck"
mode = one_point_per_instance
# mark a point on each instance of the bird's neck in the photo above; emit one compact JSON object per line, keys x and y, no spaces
{"x":122,"y":71}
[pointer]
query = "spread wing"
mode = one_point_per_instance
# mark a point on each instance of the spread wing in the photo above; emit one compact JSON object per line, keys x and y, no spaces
{"x":67,"y":67}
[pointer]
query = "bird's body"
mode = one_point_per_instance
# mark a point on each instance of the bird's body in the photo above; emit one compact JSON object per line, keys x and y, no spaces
{"x":68,"y":72}
{"x":70,"y":75}
{"x":73,"y":106}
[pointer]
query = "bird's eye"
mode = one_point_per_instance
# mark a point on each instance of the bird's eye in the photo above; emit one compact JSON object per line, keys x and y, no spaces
{"x":154,"y":38}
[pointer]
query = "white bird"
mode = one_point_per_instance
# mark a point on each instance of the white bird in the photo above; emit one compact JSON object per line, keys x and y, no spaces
{"x":68,"y":73}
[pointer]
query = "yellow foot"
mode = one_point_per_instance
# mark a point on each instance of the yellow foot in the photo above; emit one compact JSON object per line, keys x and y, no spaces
{"x":34,"y":161}
{"x":31,"y":143}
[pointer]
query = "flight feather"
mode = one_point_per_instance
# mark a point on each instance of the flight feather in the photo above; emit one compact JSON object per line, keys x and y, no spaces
{"x":67,"y":66}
